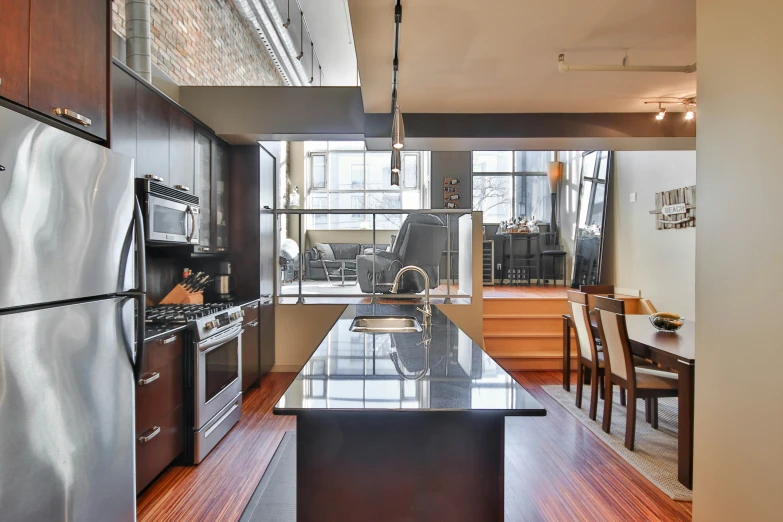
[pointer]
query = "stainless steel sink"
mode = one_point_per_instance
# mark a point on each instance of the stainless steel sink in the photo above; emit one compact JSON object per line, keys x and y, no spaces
{"x":388,"y":324}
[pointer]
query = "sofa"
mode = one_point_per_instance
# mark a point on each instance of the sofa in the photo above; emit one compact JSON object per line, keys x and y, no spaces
{"x":420,"y":242}
{"x":313,"y":258}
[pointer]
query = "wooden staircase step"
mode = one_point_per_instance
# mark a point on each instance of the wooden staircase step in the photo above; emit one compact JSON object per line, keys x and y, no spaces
{"x":538,"y":305}
{"x":516,"y":323}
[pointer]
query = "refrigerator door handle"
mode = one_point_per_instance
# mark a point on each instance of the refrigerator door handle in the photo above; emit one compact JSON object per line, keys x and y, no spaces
{"x":140,"y":293}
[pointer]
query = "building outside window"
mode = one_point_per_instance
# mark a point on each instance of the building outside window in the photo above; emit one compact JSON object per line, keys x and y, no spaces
{"x":509,"y":184}
{"x":343,"y":175}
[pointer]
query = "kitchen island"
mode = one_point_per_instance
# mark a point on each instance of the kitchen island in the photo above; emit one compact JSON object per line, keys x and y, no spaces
{"x":401,"y":426}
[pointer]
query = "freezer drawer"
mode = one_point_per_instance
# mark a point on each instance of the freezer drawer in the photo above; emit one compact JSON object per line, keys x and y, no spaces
{"x":66,"y":413}
{"x":66,"y":208}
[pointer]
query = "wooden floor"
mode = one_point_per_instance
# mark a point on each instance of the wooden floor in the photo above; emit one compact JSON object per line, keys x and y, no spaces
{"x":560,"y":471}
{"x":523,"y":292}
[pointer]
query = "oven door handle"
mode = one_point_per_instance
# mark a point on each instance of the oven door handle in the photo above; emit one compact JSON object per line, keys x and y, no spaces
{"x":213,"y":342}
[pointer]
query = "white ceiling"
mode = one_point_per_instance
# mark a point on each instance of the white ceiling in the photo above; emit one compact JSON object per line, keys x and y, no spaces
{"x":501,"y":55}
{"x":330,"y":28}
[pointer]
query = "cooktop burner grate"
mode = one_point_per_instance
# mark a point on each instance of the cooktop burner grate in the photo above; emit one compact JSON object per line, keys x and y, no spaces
{"x":183,"y":313}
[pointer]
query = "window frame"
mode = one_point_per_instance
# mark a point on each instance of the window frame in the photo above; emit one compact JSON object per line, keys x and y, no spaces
{"x":513,"y":174}
{"x":365,"y":192}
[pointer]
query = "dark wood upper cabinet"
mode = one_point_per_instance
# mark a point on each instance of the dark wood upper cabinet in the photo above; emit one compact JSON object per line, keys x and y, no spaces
{"x":123,"y":112}
{"x":220,"y":195}
{"x":152,"y":134}
{"x":182,"y":150}
{"x":69,"y":62}
{"x":15,"y":54}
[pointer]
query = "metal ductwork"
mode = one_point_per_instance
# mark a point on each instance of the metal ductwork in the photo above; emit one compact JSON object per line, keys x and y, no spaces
{"x":264,"y":17}
{"x":138,"y":45}
{"x":563,"y":67}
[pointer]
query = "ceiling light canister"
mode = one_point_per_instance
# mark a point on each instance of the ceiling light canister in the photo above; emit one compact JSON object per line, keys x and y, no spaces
{"x":689,"y":113}
{"x":398,"y":129}
{"x":396,"y":165}
{"x":661,"y":113}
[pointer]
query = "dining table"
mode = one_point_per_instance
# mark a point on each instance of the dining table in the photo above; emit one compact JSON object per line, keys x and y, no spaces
{"x":672,"y":350}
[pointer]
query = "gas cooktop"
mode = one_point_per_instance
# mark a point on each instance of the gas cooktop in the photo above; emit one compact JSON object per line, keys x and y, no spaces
{"x":182,"y":313}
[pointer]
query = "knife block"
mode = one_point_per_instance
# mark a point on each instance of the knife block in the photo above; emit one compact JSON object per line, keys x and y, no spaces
{"x":179,"y":295}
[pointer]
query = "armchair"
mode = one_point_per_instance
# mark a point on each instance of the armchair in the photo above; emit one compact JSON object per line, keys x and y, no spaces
{"x":420,"y":242}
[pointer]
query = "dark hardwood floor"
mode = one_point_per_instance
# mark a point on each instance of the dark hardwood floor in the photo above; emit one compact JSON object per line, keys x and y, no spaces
{"x":557,"y":469}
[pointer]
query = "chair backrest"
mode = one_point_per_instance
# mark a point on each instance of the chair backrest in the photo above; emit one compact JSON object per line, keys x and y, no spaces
{"x":597,"y":289}
{"x":577,"y":301}
{"x":614,"y":337}
{"x":400,"y":241}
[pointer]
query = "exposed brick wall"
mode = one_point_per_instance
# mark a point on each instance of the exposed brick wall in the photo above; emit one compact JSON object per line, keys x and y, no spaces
{"x":204,"y":42}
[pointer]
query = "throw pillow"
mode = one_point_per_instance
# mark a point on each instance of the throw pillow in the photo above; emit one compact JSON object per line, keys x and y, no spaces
{"x":325,"y":251}
{"x":314,"y":254}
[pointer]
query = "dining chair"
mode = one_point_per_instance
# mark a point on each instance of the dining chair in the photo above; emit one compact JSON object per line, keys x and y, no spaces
{"x":644,"y":382}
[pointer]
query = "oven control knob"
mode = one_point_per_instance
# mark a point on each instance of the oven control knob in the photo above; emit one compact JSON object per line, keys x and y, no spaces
{"x":209,"y":325}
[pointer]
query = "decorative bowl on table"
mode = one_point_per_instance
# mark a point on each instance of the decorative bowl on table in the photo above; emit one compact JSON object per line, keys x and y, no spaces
{"x":666,"y":322}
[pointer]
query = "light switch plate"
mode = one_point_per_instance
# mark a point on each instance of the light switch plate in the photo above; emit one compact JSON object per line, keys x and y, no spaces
{"x":633,"y":197}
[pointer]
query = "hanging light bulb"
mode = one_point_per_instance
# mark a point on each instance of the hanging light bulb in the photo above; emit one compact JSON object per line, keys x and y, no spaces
{"x":398,"y":129}
{"x":688,"y":112}
{"x":396,"y":165}
{"x":661,"y":113}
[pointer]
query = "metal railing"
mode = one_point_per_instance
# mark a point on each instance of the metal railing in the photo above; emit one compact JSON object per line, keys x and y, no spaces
{"x":284,"y":294}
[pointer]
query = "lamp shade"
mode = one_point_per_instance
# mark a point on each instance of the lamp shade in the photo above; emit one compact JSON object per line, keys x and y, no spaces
{"x":398,"y":129}
{"x":396,"y":164}
{"x":553,"y":171}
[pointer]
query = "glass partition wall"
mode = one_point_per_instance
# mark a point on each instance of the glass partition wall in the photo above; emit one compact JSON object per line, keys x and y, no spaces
{"x":359,"y":261}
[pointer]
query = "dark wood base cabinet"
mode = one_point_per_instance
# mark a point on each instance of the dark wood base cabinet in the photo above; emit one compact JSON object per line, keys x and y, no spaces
{"x":160,"y":411}
{"x":251,"y":354}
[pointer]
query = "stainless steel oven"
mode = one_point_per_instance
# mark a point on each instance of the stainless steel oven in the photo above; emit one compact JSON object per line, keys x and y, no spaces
{"x":217,"y":381}
{"x":172,"y":216}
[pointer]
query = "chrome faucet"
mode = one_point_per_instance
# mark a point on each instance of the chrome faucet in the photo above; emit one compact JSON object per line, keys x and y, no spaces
{"x":427,"y":310}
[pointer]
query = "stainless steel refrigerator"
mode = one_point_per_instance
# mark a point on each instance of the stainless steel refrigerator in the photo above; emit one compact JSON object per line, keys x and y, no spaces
{"x":71,"y":286}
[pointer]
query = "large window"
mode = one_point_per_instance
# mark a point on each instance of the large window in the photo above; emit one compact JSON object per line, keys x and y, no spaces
{"x":510,"y":184}
{"x":344,"y":176}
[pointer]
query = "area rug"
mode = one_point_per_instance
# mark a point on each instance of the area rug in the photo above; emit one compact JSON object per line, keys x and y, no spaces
{"x":274,"y":499}
{"x":655,"y":451}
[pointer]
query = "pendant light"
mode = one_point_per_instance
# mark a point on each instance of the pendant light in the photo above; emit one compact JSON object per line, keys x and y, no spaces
{"x":398,"y":129}
{"x":396,"y":165}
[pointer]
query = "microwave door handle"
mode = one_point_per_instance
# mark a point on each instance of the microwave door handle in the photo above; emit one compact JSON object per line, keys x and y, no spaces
{"x":192,"y":220}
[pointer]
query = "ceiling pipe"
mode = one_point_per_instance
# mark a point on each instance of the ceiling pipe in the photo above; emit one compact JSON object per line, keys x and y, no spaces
{"x":563,"y":67}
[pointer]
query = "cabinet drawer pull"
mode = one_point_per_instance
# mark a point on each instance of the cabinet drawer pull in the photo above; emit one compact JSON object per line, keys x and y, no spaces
{"x":182,"y":187}
{"x":153,"y":177}
{"x":73,"y":116}
{"x":252,"y":324}
{"x":154,"y":376}
{"x":253,"y":306}
{"x":153,"y":433}
{"x":168,"y":340}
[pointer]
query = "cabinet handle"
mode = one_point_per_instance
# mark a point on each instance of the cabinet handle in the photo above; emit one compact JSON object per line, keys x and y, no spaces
{"x":168,"y":340}
{"x":153,"y":433}
{"x":182,"y":187}
{"x":204,"y":249}
{"x":221,"y":249}
{"x":154,"y":376}
{"x":252,"y":324}
{"x":252,"y":306}
{"x":153,"y":177}
{"x":73,"y":116}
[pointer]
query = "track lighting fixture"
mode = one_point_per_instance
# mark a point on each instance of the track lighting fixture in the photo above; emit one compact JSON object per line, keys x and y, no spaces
{"x":301,"y":36}
{"x":288,"y":16}
{"x":396,"y":165}
{"x":688,"y":103}
{"x":312,"y":61}
{"x":398,"y":129}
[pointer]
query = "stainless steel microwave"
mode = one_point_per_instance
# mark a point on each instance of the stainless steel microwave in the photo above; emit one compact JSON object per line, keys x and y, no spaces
{"x":171,"y":216}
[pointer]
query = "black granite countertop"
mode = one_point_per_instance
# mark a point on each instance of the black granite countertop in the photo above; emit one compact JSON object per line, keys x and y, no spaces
{"x":353,"y":371}
{"x":152,"y":332}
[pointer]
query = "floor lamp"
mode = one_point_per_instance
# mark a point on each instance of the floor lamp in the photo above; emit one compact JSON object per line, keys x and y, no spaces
{"x":553,"y":171}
